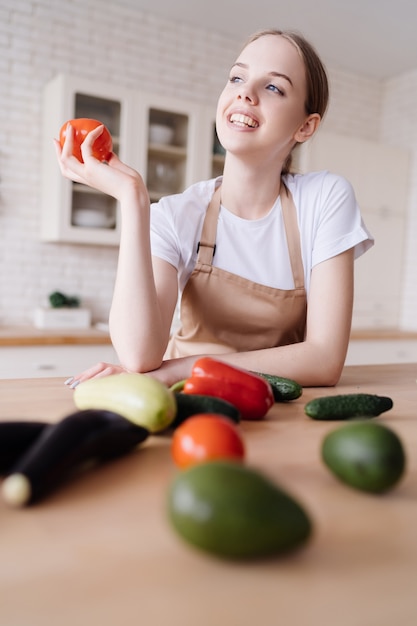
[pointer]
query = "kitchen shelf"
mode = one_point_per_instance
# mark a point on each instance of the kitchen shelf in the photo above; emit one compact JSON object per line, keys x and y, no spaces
{"x":189,"y":154}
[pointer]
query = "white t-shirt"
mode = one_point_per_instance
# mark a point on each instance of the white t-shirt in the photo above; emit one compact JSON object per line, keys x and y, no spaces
{"x":329,"y":221}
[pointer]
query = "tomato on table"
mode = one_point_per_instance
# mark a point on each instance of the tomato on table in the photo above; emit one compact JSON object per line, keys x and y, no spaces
{"x":103,"y":145}
{"x":204,"y":437}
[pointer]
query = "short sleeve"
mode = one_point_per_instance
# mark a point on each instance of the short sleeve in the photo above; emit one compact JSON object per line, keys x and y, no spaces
{"x":338,"y":225}
{"x":164,"y":240}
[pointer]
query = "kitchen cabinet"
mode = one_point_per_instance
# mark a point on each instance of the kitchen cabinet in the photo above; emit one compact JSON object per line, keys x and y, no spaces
{"x":72,"y":212}
{"x":51,"y":360}
{"x":170,"y":141}
{"x":374,"y":347}
{"x":175,"y":145}
{"x":379,"y":174}
{"x":379,"y":352}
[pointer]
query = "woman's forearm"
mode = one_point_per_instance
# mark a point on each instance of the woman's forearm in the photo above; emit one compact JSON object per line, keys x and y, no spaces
{"x":137,"y":327}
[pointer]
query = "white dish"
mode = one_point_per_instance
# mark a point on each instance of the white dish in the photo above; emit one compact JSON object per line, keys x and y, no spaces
{"x":90,"y":218}
{"x":160,"y":133}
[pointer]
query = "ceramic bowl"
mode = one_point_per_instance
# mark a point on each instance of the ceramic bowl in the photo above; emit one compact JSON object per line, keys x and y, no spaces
{"x":91,"y":218}
{"x":160,"y":133}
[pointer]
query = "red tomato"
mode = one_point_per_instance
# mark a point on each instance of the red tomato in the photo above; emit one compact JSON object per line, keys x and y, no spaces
{"x":204,"y":437}
{"x":103,"y":145}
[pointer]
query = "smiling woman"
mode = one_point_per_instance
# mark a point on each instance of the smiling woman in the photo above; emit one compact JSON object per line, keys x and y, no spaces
{"x":262,"y":258}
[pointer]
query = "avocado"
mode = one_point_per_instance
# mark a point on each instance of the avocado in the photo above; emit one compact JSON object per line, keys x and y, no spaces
{"x":347,"y":406}
{"x":365,"y":455}
{"x":235,"y":512}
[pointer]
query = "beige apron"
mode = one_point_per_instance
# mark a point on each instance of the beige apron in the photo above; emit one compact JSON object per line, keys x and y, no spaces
{"x":222,"y":312}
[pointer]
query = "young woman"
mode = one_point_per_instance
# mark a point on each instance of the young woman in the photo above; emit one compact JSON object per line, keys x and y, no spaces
{"x":262,"y":258}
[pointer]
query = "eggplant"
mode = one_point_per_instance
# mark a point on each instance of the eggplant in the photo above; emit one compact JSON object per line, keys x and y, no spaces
{"x":62,"y":449}
{"x":15,"y":439}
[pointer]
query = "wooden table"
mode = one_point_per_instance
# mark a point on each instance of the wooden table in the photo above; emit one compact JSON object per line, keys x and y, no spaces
{"x":101,"y":552}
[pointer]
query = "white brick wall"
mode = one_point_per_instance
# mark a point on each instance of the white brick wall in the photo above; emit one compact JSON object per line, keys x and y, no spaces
{"x":123,"y":46}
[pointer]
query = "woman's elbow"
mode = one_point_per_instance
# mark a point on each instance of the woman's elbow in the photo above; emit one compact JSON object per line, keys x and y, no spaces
{"x":140,"y":365}
{"x":329,"y":373}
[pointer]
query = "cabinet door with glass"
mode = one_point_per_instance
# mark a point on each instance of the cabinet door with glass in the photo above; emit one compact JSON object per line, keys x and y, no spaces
{"x":72,"y":212}
{"x":175,"y":145}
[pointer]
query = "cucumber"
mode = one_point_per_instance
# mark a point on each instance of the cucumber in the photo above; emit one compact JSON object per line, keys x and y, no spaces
{"x":190,"y":404}
{"x":88,"y":436}
{"x":284,"y":389}
{"x":347,"y":406}
{"x":235,"y":512}
{"x":15,"y":438}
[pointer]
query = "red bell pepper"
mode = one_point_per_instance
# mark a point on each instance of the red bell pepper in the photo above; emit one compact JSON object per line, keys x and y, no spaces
{"x":250,"y":393}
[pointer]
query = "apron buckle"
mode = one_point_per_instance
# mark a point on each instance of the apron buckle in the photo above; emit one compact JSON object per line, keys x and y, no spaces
{"x":207,"y":245}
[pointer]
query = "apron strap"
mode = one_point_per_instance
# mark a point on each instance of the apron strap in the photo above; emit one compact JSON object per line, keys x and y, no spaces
{"x":206,"y":247}
{"x":289,"y":214}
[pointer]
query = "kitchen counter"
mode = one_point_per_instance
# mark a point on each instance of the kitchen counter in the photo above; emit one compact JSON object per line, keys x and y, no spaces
{"x":101,"y":551}
{"x":382,"y":334}
{"x":31,"y":336}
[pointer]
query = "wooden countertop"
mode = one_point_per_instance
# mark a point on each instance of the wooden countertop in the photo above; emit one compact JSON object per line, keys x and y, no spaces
{"x":100,"y":550}
{"x":379,"y":334}
{"x":31,"y":336}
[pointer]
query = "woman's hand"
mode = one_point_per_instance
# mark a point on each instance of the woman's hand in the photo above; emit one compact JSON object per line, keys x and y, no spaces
{"x":170,"y":372}
{"x":97,"y":371}
{"x":112,"y":177}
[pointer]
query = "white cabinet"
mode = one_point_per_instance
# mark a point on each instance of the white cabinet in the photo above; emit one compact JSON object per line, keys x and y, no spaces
{"x":48,"y":361}
{"x":170,"y":141}
{"x":379,"y":174}
{"x":375,"y":352}
{"x":172,"y":144}
{"x":72,"y":212}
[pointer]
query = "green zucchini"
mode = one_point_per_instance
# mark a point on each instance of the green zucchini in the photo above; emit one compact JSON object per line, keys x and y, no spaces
{"x":284,"y":389}
{"x":84,"y":437}
{"x":15,"y":438}
{"x":347,"y":406}
{"x":191,"y":404}
{"x":140,"y":398}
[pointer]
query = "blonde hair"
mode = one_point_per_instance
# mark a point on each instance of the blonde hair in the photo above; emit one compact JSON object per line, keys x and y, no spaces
{"x":317,"y":84}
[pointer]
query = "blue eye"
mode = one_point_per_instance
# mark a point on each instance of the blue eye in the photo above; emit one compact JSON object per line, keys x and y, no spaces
{"x":275,"y":89}
{"x":235,"y":79}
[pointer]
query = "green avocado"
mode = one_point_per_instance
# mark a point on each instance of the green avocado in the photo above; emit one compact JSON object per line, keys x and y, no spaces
{"x":365,"y":455}
{"x":235,"y":512}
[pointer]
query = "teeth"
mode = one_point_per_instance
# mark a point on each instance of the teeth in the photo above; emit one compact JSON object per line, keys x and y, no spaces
{"x":244,"y":120}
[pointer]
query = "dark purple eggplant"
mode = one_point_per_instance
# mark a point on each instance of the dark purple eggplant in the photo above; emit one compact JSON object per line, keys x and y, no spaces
{"x":15,"y":439}
{"x":85,"y":437}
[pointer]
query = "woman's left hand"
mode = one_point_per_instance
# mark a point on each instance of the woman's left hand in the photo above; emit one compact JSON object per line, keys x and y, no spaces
{"x":170,"y":372}
{"x":97,"y":371}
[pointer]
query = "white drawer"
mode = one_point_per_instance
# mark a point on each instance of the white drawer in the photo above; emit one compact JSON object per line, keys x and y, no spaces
{"x":48,"y":361}
{"x":374,"y":352}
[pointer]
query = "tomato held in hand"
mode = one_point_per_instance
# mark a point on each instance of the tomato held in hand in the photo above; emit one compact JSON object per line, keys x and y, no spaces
{"x":204,"y":437}
{"x":103,"y":145}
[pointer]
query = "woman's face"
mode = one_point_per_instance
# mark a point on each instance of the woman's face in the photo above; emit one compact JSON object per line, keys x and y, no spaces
{"x":261,"y":109}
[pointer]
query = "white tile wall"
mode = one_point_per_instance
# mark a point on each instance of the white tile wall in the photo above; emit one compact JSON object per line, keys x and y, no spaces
{"x":120,"y":45}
